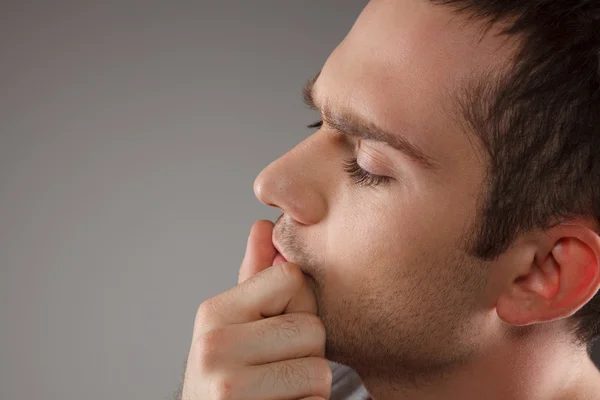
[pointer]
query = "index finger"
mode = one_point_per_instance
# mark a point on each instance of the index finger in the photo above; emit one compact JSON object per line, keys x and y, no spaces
{"x":259,"y":250}
{"x":276,"y":290}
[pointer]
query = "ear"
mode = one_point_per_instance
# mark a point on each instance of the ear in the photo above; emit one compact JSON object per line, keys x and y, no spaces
{"x":561,"y":278}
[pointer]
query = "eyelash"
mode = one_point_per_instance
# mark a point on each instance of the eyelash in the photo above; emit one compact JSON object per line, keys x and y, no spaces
{"x":359,"y":176}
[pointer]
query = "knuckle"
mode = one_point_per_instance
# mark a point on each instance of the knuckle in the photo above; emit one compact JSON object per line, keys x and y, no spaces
{"x":209,"y":346}
{"x":223,"y":387}
{"x":207,"y":313}
{"x":317,"y":326}
{"x":204,"y":311}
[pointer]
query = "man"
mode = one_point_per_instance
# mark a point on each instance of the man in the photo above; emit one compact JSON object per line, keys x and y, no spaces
{"x":439,"y":234}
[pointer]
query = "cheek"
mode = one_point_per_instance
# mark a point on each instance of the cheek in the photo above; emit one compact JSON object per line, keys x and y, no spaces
{"x":372,"y":244}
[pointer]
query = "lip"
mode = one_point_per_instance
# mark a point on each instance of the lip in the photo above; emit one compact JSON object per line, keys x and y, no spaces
{"x":278,"y":248}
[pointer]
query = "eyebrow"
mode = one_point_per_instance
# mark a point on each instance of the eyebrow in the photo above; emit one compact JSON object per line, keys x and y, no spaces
{"x":351,"y":124}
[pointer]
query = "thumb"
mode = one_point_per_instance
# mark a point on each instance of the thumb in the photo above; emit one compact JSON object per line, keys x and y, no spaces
{"x":259,"y":250}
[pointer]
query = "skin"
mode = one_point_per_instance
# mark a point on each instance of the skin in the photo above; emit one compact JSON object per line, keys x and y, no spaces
{"x":399,"y":299}
{"x":262,"y":339}
{"x":402,"y":302}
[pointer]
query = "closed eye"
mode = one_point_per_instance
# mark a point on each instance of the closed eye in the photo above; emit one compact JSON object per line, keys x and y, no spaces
{"x":360,"y":176}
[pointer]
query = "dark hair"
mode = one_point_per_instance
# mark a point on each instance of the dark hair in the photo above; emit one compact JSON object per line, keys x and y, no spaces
{"x":539,"y":123}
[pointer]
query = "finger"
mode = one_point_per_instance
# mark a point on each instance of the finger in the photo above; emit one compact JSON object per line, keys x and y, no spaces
{"x":259,"y":256}
{"x":278,"y":289}
{"x":290,"y":379}
{"x":283,"y":337}
{"x":259,"y":250}
{"x":304,"y":301}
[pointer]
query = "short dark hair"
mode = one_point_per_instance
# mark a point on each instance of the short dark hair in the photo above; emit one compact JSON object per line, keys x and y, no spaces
{"x":539,"y":123}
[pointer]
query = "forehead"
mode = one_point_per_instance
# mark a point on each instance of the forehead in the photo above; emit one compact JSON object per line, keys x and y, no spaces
{"x":402,"y":64}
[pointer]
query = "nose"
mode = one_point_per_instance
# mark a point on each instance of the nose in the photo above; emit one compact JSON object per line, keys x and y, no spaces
{"x":297,"y":183}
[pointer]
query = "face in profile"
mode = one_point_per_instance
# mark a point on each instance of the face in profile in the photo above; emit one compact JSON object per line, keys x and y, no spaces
{"x":380,"y":222}
{"x":380,"y":202}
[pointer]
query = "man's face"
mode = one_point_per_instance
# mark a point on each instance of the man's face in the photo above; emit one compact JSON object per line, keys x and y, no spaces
{"x":395,"y":288}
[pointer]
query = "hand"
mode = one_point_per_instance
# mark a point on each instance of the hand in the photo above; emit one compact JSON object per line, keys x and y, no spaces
{"x":261,"y":340}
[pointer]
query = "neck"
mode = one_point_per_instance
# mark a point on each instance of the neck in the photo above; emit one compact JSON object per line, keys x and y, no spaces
{"x":540,"y":365}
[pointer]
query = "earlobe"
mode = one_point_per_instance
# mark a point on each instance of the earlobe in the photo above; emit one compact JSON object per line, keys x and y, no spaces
{"x":558,"y":285}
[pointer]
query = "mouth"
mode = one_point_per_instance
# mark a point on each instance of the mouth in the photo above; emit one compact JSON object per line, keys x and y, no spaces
{"x":280,"y":258}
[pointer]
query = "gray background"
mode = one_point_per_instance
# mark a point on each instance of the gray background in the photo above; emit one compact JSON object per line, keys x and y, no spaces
{"x":130,"y":136}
